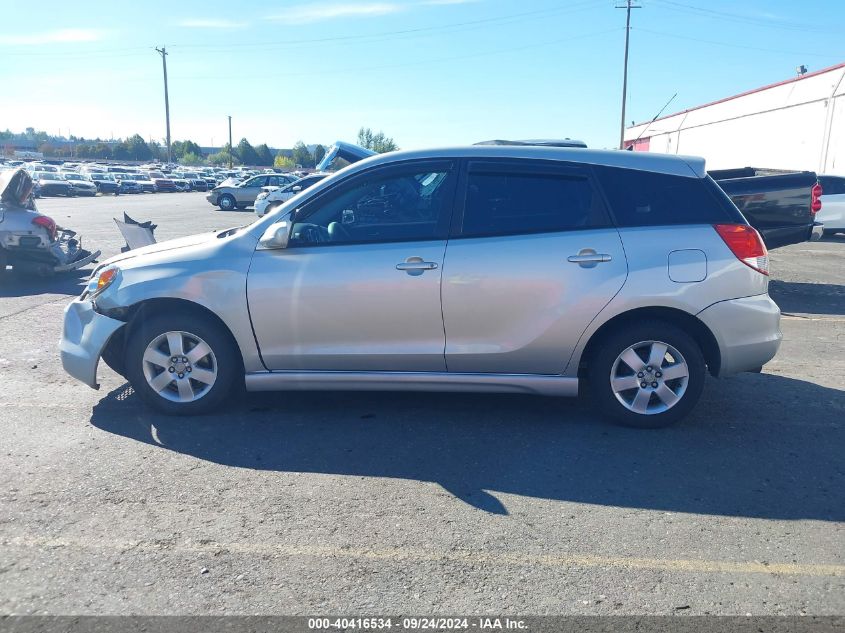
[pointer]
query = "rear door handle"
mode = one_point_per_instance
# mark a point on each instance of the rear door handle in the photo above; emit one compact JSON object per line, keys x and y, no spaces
{"x":588,"y":258}
{"x":416,"y":266}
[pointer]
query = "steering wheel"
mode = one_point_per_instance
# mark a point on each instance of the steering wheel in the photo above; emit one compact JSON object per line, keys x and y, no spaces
{"x":338,"y":233}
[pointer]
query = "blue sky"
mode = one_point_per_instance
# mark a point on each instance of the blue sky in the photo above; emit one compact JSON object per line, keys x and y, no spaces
{"x":427,"y":72}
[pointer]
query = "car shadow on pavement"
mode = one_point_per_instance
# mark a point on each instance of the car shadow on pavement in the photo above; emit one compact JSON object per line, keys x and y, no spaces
{"x":808,"y":298}
{"x":758,"y":445}
{"x":17,"y":285}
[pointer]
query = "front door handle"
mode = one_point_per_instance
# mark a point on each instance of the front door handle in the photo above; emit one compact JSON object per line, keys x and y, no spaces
{"x":416,"y":266}
{"x":588,"y":258}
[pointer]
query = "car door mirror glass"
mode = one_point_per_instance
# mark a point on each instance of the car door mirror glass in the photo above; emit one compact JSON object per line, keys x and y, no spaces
{"x":276,"y":236}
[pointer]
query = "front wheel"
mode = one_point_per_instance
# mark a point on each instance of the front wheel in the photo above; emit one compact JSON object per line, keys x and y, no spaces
{"x":226,"y":202}
{"x":182,"y":363}
{"x":649,"y":375}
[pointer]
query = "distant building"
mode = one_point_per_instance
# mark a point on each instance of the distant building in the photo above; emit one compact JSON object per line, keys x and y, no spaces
{"x":794,"y":124}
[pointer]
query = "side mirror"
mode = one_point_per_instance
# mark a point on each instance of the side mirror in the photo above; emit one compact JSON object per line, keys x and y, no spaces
{"x":296,"y":189}
{"x":276,"y":236}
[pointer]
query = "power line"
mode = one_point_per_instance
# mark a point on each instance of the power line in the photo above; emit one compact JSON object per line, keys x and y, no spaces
{"x":514,"y":17}
{"x":742,"y":46}
{"x":422,"y":62}
{"x":736,"y":17}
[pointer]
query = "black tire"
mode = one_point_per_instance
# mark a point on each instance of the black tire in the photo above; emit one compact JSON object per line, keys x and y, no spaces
{"x":601,"y":366}
{"x":226,"y":202}
{"x":228,"y":382}
{"x":4,"y":260}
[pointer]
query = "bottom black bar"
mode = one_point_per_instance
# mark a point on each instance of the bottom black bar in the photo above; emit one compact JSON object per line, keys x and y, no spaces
{"x":392,"y":624}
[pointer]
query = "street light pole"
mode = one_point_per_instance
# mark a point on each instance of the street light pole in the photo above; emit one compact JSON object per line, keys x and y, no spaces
{"x":230,"y":141}
{"x":163,"y":52}
{"x":629,"y":4}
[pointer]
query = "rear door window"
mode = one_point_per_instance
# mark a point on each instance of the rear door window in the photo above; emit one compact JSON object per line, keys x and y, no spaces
{"x":514,"y":200}
{"x":643,"y":198}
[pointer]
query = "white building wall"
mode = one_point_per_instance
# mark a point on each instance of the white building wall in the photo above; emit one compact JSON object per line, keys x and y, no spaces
{"x":796,"y":125}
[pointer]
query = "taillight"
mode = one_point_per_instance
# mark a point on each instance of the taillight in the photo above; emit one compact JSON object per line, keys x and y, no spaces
{"x":46,"y":223}
{"x":816,"y":198}
{"x":745,"y":242}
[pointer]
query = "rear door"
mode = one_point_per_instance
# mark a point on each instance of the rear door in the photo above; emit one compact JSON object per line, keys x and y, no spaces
{"x":532,"y":259}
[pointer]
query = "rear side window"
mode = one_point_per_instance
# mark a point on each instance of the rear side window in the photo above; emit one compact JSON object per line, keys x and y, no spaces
{"x":642,"y":198}
{"x":514,"y":203}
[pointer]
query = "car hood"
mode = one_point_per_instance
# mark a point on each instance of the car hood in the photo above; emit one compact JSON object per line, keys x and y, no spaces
{"x":347,"y":151}
{"x":160,"y":247}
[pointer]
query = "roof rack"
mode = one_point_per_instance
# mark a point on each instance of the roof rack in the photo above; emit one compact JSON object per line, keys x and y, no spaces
{"x":565,"y":142}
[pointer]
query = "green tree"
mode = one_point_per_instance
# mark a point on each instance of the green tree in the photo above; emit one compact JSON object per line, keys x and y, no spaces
{"x":191,"y":159}
{"x":120,"y":151}
{"x":284,"y":162}
{"x":265,"y":156}
{"x":301,"y":155}
{"x":137,"y":148}
{"x":319,"y":154}
{"x":222,"y":157}
{"x":246,"y":153}
{"x":179,"y":148}
{"x":377,"y":142}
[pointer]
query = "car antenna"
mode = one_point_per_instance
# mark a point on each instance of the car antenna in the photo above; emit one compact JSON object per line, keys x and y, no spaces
{"x":656,"y":116}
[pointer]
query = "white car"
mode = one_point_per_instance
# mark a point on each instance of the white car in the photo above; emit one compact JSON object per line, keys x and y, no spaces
{"x":832,"y":214}
{"x":269,"y":200}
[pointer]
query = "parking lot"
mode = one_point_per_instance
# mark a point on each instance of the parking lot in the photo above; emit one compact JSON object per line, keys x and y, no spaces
{"x":364,"y":503}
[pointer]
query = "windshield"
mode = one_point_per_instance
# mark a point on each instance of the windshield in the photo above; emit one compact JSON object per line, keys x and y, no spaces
{"x":43,"y":175}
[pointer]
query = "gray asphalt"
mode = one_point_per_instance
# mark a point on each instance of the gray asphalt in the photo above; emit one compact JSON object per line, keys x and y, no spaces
{"x":424,"y":504}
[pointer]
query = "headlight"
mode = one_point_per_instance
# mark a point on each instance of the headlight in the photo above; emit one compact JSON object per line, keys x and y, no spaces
{"x":101,"y":280}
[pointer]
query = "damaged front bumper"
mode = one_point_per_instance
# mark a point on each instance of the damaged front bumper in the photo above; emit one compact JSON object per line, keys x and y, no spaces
{"x":84,"y":336}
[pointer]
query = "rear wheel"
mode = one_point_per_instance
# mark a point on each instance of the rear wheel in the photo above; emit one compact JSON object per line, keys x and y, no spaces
{"x":648,"y":376}
{"x":182,"y":363}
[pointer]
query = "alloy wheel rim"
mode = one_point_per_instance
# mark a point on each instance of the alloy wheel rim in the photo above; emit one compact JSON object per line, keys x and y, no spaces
{"x":180,"y":366}
{"x":649,"y":377}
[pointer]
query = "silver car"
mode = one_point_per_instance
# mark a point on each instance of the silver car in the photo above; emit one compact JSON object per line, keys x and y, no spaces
{"x":243,"y":195}
{"x":520,"y":269}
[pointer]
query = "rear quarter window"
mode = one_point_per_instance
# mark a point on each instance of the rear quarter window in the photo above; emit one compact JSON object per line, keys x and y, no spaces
{"x":642,"y":198}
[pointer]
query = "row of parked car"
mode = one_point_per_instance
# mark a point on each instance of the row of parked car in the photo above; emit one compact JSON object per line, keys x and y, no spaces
{"x":88,"y":179}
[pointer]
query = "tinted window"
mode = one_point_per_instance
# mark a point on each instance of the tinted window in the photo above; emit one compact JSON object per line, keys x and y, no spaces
{"x":400,"y":207}
{"x":832,"y":185}
{"x":513,"y":203}
{"x":642,"y":198}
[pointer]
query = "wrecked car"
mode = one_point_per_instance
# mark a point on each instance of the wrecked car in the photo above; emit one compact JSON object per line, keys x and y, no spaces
{"x":31,"y":242}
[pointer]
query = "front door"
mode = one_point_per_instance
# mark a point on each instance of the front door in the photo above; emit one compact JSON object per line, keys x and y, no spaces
{"x":358,"y":288}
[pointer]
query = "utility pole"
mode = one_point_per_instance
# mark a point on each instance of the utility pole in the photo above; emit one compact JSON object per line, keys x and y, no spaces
{"x":629,"y":4}
{"x":230,"y":141}
{"x":163,"y":52}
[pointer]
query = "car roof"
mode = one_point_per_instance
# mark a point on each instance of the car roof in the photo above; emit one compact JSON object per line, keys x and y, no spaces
{"x":689,"y":166}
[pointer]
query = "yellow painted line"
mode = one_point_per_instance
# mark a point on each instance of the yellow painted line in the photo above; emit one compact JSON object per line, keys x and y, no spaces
{"x":417,"y":555}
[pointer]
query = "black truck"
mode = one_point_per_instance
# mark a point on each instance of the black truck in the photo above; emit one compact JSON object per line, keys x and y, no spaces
{"x":780,"y":204}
